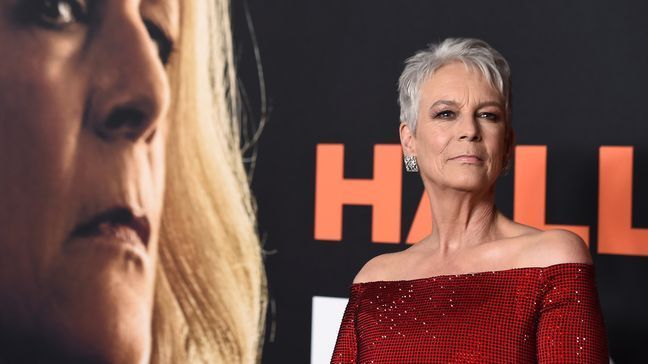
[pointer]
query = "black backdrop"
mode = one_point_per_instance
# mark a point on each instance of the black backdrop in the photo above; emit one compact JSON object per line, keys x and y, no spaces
{"x":580,"y":81}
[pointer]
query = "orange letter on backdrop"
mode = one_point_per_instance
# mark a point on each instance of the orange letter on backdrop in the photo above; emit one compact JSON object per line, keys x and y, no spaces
{"x":530,"y":190}
{"x":383,"y":193}
{"x":615,"y":233}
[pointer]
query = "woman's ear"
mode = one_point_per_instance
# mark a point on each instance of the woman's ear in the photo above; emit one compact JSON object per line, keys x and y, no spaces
{"x":407,"y":139}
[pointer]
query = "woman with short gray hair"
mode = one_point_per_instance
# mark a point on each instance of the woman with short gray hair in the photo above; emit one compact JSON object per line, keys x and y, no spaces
{"x":480,"y":288}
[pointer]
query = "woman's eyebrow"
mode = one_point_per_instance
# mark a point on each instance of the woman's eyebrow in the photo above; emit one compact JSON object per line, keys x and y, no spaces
{"x":445,"y":102}
{"x":490,"y":103}
{"x":457,"y":104}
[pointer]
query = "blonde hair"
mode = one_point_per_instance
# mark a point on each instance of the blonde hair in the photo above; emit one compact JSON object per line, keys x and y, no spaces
{"x":210,"y":289}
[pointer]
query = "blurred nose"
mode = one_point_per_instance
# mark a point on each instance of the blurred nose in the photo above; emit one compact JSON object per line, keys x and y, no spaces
{"x":130,"y":92}
{"x":469,"y":129}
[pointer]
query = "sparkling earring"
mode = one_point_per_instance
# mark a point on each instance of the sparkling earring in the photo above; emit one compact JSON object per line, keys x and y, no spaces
{"x":410,"y":163}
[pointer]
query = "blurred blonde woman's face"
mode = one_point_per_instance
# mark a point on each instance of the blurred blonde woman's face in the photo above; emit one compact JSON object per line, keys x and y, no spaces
{"x":83,"y":102}
{"x":460,"y":137}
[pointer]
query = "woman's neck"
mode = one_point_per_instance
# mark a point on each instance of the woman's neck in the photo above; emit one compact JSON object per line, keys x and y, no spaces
{"x":461,"y":219}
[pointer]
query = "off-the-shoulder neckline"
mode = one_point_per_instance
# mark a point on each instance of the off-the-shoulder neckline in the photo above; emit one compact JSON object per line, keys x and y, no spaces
{"x":483,"y":273}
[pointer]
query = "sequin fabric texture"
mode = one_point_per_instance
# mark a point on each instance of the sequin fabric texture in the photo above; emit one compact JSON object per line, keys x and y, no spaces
{"x":522,"y":315}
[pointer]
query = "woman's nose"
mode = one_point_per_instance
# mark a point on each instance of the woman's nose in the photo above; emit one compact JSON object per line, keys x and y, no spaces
{"x":130,"y":90}
{"x":469,"y":129}
{"x":128,"y":121}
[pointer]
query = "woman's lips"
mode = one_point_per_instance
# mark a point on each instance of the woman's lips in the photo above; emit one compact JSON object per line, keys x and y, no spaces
{"x":119,"y":224}
{"x":468,"y":158}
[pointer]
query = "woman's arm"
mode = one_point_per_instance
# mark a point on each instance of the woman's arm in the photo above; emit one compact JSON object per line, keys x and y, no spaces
{"x":346,"y":347}
{"x":570,"y":326}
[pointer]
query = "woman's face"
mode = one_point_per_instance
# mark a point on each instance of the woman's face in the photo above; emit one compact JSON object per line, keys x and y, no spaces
{"x":460,"y":140}
{"x":83,"y":101}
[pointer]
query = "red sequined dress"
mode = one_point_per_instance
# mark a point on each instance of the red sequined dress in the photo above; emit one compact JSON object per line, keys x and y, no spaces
{"x":521,"y":315}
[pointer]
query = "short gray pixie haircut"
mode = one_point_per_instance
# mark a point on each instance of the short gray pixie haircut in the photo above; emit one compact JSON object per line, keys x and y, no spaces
{"x":474,"y":53}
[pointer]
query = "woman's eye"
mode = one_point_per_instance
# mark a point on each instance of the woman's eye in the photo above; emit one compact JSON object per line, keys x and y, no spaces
{"x":163,"y":43}
{"x":489,"y":116}
{"x":55,"y":13}
{"x":445,"y":114}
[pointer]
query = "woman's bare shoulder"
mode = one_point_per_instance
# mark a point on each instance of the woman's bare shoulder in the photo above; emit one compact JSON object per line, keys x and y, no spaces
{"x":551,"y":247}
{"x":378,"y":268}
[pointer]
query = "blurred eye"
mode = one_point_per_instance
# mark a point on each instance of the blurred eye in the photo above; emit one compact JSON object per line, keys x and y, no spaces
{"x":445,"y":114}
{"x":55,"y":13}
{"x":162,"y":42}
{"x":489,"y":116}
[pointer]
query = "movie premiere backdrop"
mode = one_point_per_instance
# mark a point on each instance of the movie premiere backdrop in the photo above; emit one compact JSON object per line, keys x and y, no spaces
{"x":331,"y":188}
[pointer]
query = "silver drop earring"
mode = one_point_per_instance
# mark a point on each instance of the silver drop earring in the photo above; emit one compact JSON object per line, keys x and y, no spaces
{"x":411,"y":165}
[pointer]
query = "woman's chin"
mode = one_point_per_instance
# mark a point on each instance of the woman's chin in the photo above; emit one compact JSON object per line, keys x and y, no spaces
{"x":100,"y":335}
{"x":64,"y":345}
{"x":471,"y":183}
{"x":99,"y":314}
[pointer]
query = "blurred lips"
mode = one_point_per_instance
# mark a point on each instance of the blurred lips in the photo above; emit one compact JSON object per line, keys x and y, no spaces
{"x":468,"y":158}
{"x":118,"y":224}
